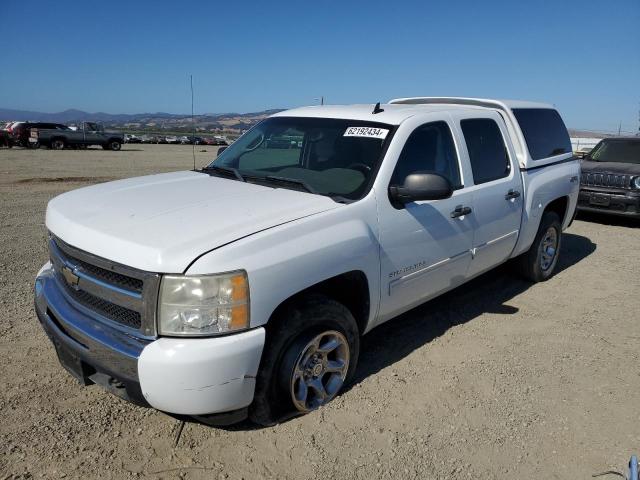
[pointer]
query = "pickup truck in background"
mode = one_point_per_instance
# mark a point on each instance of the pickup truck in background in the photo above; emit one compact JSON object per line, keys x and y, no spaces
{"x":88,"y":133}
{"x":243,"y":289}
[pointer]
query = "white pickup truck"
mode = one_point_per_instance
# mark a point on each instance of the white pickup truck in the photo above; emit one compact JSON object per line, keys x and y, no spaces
{"x":243,"y":289}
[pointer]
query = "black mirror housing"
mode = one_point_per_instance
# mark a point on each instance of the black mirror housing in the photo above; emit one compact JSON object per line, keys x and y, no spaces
{"x":421,"y":186}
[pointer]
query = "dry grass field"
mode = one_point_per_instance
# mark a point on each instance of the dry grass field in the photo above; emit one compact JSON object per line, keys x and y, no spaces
{"x":497,"y":379}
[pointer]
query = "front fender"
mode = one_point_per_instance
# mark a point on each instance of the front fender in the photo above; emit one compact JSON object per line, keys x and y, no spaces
{"x":287,"y":259}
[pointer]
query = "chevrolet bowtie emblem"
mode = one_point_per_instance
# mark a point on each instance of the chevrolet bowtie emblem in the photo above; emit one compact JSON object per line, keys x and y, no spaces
{"x":71,"y":278}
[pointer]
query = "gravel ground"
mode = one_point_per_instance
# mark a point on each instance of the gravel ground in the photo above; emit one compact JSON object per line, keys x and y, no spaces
{"x":497,"y":379}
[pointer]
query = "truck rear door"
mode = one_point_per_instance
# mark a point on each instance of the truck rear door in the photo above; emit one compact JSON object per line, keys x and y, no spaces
{"x":497,"y":188}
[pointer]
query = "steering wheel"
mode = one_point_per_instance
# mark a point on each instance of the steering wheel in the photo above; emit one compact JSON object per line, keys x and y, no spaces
{"x":361,"y":167}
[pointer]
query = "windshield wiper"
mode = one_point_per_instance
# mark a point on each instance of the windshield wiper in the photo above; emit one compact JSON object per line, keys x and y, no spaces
{"x":291,"y":181}
{"x":227,"y":170}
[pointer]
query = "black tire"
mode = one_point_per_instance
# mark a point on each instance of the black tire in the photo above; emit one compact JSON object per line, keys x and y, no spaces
{"x":114,"y":145}
{"x":57,"y":144}
{"x":531,"y":263}
{"x":288,"y":332}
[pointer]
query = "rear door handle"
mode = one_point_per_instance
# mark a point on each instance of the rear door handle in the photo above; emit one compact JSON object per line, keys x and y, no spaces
{"x":512,"y":194}
{"x":460,"y":211}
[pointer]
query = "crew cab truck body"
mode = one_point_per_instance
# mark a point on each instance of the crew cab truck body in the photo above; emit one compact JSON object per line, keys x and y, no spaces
{"x":244,"y":288}
{"x":89,"y":133}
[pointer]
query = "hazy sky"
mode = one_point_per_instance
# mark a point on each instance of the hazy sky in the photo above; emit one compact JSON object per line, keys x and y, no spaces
{"x":136,"y":56}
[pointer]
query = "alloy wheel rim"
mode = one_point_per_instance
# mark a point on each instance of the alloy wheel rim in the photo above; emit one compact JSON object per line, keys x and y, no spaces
{"x":319,"y":371}
{"x":548,"y":248}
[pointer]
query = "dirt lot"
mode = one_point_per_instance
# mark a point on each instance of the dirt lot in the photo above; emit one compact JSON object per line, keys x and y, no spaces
{"x":498,"y":379}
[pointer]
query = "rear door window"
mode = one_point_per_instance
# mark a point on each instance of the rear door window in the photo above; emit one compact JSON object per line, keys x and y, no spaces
{"x":544,"y":131}
{"x":487,"y":151}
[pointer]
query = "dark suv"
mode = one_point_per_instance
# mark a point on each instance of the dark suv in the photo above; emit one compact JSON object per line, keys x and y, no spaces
{"x":22,"y":132}
{"x":610,"y":181}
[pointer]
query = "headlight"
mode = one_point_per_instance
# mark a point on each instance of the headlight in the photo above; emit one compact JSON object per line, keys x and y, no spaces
{"x":203,"y":304}
{"x":636,"y":182}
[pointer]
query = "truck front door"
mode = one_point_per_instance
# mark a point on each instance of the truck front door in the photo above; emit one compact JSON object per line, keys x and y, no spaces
{"x":497,"y":189}
{"x":93,"y":134}
{"x":425,"y":247}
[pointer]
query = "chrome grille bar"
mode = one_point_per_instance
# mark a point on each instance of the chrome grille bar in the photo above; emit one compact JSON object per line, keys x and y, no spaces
{"x":598,"y":179}
{"x":123,"y":296}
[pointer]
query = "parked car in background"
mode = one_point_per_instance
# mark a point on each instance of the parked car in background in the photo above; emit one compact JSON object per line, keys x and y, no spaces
{"x":583,"y":152}
{"x":130,"y":138}
{"x":5,"y":139}
{"x":610,"y":180}
{"x":260,"y":311}
{"x":25,"y":134}
{"x":172,"y":139}
{"x":89,"y":133}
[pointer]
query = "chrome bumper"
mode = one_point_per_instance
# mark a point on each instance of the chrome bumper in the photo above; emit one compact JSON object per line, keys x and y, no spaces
{"x":89,"y":350}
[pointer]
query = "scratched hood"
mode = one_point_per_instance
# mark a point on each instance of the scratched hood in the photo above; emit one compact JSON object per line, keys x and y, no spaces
{"x":161,"y":223}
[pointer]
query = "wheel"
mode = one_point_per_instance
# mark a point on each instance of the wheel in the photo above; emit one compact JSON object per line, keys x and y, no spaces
{"x":57,"y":144}
{"x":539,"y":263}
{"x":311,"y":352}
{"x":114,"y":145}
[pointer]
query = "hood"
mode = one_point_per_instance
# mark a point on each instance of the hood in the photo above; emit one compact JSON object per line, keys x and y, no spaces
{"x":161,"y":223}
{"x":611,"y":167}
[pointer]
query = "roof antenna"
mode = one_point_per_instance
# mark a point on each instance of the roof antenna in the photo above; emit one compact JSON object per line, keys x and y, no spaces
{"x":377,"y":109}
{"x":193,"y":125}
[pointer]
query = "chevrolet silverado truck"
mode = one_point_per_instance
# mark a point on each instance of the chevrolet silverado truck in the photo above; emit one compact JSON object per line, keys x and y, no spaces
{"x":243,"y":289}
{"x":610,"y":180}
{"x":89,"y":133}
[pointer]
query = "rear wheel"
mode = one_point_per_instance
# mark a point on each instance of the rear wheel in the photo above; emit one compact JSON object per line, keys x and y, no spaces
{"x":539,"y":263}
{"x":311,"y":352}
{"x":57,"y":144}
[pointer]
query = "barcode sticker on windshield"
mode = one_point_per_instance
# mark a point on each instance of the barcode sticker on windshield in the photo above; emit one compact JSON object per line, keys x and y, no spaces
{"x":366,"y":132}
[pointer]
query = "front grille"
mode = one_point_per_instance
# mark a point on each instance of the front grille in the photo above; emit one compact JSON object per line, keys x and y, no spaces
{"x":601,"y":179}
{"x":104,"y":289}
{"x":108,"y":276}
{"x":122,"y":315}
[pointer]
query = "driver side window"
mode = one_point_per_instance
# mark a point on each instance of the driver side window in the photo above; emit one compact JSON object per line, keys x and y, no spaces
{"x":429,"y":149}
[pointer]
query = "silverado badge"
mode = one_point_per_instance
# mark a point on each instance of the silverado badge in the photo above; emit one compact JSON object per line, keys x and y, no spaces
{"x":69,"y":275}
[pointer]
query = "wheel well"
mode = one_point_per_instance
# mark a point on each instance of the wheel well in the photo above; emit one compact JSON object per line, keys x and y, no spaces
{"x":559,"y":206}
{"x":53,"y":139}
{"x":350,"y":289}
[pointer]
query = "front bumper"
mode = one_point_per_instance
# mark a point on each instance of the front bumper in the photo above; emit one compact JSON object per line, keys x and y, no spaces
{"x":184,"y":376}
{"x":609,"y":202}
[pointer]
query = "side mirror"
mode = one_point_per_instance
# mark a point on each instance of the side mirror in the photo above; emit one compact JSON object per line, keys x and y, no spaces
{"x":421,"y":186}
{"x":220,"y":150}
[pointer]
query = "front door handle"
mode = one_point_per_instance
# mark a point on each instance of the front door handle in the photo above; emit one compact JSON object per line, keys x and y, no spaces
{"x":460,"y":211}
{"x":512,"y":194}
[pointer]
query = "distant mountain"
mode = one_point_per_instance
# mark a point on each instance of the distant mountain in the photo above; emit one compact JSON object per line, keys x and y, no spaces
{"x":144,"y":121}
{"x":73,"y":115}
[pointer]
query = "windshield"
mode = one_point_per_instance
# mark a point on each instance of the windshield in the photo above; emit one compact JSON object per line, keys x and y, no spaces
{"x":623,"y":151}
{"x":332,"y":157}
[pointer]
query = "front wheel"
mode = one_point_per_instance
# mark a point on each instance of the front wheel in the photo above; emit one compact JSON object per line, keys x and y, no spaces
{"x":539,"y":263}
{"x":57,"y":144}
{"x":114,"y":145}
{"x":311,"y":352}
